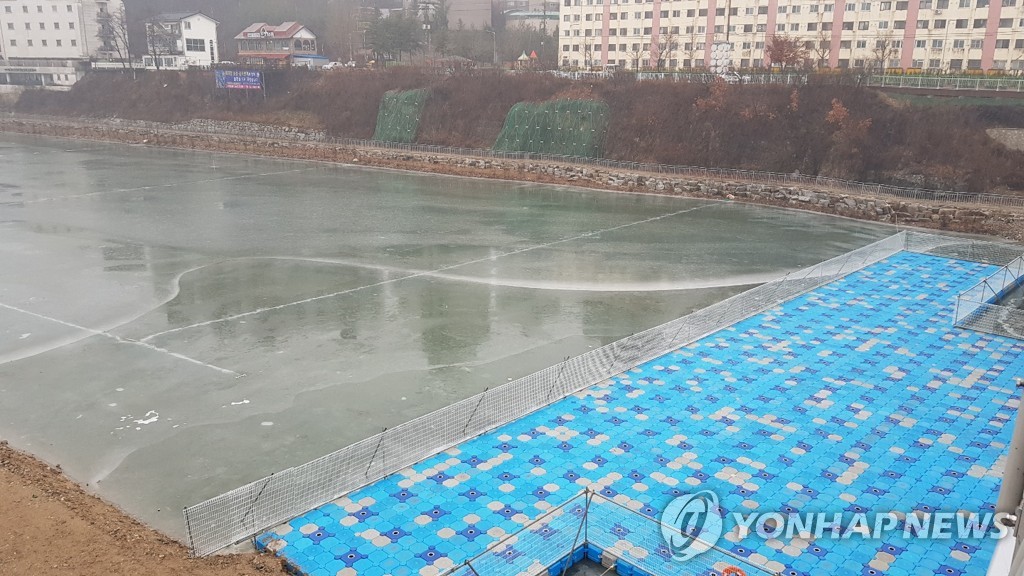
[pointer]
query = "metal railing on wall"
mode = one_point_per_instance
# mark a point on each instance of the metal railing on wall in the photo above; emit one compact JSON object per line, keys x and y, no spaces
{"x":696,"y":172}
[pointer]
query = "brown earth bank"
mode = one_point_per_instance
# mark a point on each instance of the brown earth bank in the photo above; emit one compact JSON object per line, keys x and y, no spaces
{"x":833,"y":128}
{"x":1006,"y":222}
{"x":51,"y":526}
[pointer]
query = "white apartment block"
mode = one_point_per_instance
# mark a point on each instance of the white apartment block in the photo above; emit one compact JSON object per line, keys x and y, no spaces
{"x":181,"y":40}
{"x":928,"y":35}
{"x":49,"y":42}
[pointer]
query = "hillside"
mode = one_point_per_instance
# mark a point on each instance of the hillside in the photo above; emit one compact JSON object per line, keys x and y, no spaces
{"x":832,"y":130}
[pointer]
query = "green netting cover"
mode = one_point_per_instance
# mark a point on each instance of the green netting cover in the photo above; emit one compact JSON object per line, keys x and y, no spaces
{"x":567,"y":127}
{"x":399,"y":117}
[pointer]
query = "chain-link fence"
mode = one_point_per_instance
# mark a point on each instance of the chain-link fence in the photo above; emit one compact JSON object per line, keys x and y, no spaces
{"x":260,"y":505}
{"x":695,"y":172}
{"x":606,"y":532}
{"x":978,"y":308}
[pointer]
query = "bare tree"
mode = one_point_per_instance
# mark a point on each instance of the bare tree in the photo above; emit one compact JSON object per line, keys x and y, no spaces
{"x":588,"y":52}
{"x":667,"y":46}
{"x":160,"y":41}
{"x":113,"y":31}
{"x":823,"y":48}
{"x":636,"y":54}
{"x":785,"y":51}
{"x":885,"y":50}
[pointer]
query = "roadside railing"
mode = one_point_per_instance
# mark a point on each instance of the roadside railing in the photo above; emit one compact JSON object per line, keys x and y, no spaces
{"x":694,"y":172}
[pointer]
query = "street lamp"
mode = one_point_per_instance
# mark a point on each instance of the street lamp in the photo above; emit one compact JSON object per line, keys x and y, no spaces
{"x":494,"y":47}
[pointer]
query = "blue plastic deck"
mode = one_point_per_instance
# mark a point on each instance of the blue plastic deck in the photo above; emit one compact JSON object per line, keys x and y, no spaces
{"x":858,"y":396}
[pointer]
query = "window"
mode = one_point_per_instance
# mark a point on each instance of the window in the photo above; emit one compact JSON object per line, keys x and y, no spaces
{"x":7,"y":9}
{"x":982,"y":3}
{"x":70,"y":9}
{"x":936,"y":44}
{"x":926,"y":4}
{"x":922,"y":24}
{"x":782,"y":9}
{"x":74,"y":42}
{"x":10,"y":25}
{"x":28,"y":26}
{"x":1003,"y":43}
{"x":845,"y":44}
{"x":939,"y":24}
{"x":198,"y":44}
{"x":1019,"y":44}
{"x":1009,"y":3}
{"x":664,"y":13}
{"x":59,"y":43}
{"x":847,"y":25}
{"x":885,"y":6}
{"x":965,"y":3}
{"x":813,"y":8}
{"x":1006,"y":22}
{"x":794,"y":10}
{"x":828,"y":8}
{"x":883,"y":25}
{"x":958,"y":44}
{"x":780,"y":27}
{"x":899,"y":25}
{"x":42,"y":26}
{"x":974,"y":64}
{"x":188,"y":25}
{"x":942,"y":4}
{"x":71,"y":25}
{"x":977,"y":43}
{"x":794,"y":27}
{"x":863,"y":25}
{"x":961,"y":23}
{"x":980,"y":23}
{"x":30,"y":43}
{"x":812,"y":26}
{"x":39,"y":9}
{"x":862,"y":43}
{"x":14,"y":43}
{"x":934,"y":63}
{"x":919,"y":43}
{"x":865,"y":6}
{"x":901,"y":5}
{"x":851,"y":7}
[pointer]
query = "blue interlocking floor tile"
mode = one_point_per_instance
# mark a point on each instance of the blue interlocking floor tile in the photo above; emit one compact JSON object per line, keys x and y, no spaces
{"x":859,"y":396}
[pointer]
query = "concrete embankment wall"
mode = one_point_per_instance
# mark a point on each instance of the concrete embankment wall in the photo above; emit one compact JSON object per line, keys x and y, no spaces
{"x":262,"y":140}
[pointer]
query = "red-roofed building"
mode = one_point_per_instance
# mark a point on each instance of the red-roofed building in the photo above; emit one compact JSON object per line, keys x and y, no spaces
{"x":262,"y":44}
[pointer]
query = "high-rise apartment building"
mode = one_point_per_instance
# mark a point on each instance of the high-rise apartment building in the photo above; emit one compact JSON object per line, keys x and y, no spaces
{"x":930,"y":35}
{"x":48,"y":42}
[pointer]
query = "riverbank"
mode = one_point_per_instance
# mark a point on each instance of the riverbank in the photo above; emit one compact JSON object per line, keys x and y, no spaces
{"x":1000,"y":221}
{"x":50,"y":526}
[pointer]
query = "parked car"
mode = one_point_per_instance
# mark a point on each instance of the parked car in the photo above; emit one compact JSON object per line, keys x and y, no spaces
{"x":333,"y":66}
{"x":731,"y":78}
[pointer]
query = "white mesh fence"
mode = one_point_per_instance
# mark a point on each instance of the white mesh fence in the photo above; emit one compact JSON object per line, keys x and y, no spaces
{"x":978,"y":308}
{"x":260,"y":505}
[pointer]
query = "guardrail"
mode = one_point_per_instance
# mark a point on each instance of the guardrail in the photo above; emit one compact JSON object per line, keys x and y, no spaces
{"x":946,"y":83}
{"x":696,"y":172}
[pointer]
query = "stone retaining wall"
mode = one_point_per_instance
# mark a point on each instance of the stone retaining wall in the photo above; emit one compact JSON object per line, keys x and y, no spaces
{"x":1004,"y":222}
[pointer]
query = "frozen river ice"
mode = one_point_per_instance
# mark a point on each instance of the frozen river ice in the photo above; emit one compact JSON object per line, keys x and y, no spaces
{"x":175,"y":324}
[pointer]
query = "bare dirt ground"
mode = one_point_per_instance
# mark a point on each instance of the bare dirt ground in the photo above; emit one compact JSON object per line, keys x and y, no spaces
{"x":50,"y":526}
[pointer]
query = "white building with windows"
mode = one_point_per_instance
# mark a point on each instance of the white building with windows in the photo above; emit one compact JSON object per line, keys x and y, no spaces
{"x":180,"y":41}
{"x":49,"y":43}
{"x":926,"y":35}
